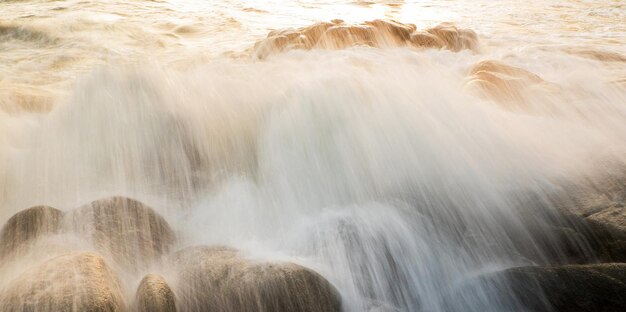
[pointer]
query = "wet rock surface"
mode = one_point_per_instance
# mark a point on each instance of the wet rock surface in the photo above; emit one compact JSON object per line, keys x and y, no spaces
{"x":71,"y":282}
{"x":129,"y":230}
{"x":592,"y":215}
{"x":155,"y":295}
{"x":219,"y":279}
{"x":511,"y":87}
{"x":26,"y":226}
{"x":585,"y":272}
{"x":593,"y":287}
{"x":377,"y":33}
{"x":131,"y":235}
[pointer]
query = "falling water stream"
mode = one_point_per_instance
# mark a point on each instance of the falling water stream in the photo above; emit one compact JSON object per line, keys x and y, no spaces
{"x":380,"y":168}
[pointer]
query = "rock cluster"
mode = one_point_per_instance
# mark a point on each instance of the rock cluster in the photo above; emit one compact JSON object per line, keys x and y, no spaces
{"x":130,"y":237}
{"x":377,"y":33}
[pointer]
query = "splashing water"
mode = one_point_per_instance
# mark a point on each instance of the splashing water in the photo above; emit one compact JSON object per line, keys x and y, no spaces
{"x":384,"y":169}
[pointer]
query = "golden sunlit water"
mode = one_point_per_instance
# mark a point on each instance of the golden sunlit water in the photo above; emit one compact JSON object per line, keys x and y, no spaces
{"x":403,"y":150}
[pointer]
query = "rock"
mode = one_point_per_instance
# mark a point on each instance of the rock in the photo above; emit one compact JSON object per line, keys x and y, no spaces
{"x":73,"y":282}
{"x":600,"y":55}
{"x":376,"y":33}
{"x":392,"y":33}
{"x":595,"y":209}
{"x":607,"y":240}
{"x":219,"y":279}
{"x":130,"y":231}
{"x":501,"y":82}
{"x":501,"y":68}
{"x":614,"y":215}
{"x":508,"y":85}
{"x":17,"y":98}
{"x":155,"y":295}
{"x":455,"y":39}
{"x":26,"y":226}
{"x":594,"y":287}
{"x":343,"y":36}
{"x":426,"y":40}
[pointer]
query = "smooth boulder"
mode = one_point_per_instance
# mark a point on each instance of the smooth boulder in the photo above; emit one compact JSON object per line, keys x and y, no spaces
{"x":154,"y":295}
{"x":219,"y":279}
{"x":131,"y":232}
{"x":26,"y":226}
{"x":73,"y":282}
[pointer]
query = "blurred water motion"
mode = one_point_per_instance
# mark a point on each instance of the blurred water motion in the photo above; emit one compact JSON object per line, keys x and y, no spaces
{"x":402,"y":160}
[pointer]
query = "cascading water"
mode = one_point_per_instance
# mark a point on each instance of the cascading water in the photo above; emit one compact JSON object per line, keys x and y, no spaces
{"x":382,"y":169}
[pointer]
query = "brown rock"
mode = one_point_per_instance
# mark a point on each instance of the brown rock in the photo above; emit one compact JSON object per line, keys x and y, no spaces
{"x":454,"y":38}
{"x":341,"y":37}
{"x":426,"y":40}
{"x":376,"y":33}
{"x":218,"y":279}
{"x":600,"y":55}
{"x":130,"y":231}
{"x":507,"y":85}
{"x":26,"y":226}
{"x":73,"y":282}
{"x":155,"y":295}
{"x":392,"y":33}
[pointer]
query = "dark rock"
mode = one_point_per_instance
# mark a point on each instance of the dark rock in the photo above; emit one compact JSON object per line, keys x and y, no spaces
{"x":593,"y":287}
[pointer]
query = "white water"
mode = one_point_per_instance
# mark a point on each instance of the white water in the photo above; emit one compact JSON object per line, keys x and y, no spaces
{"x":377,"y":168}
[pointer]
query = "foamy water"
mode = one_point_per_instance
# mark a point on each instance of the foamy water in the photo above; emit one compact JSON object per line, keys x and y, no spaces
{"x":384,"y":169}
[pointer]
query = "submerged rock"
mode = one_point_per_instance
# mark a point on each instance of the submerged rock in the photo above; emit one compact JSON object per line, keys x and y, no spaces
{"x":26,"y":226}
{"x":219,"y":279}
{"x":73,"y":282}
{"x":130,"y":231}
{"x":154,"y":295}
{"x":593,"y":287}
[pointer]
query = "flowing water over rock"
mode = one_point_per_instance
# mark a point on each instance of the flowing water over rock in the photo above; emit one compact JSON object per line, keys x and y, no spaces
{"x":308,"y":155}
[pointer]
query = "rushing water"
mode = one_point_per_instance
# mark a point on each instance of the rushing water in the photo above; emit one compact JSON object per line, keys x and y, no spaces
{"x":378,"y":168}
